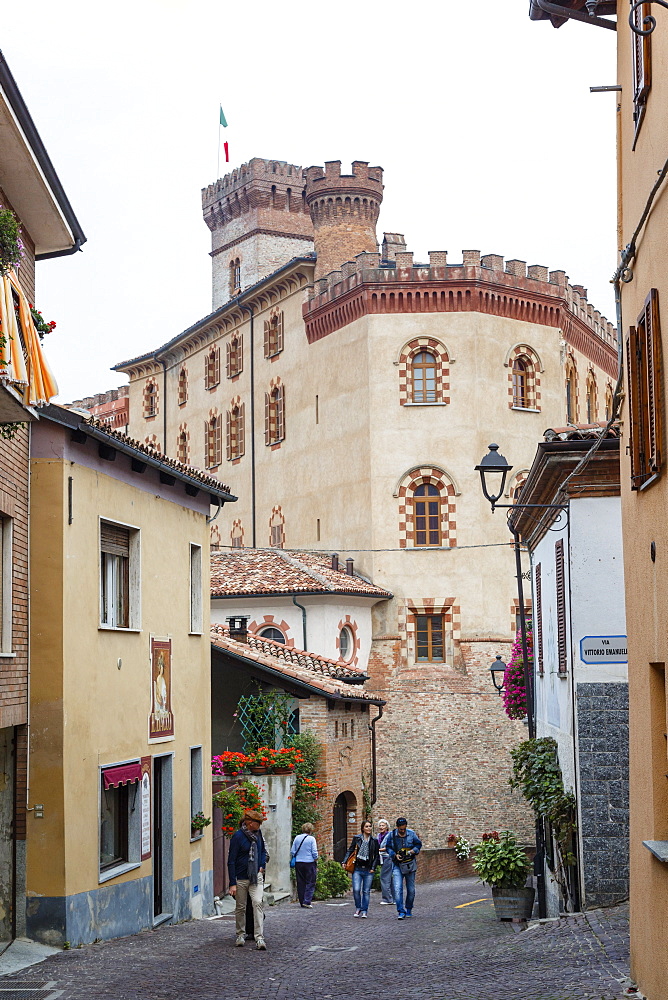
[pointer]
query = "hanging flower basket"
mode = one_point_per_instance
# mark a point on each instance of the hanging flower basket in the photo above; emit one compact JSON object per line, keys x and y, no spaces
{"x":514,"y":689}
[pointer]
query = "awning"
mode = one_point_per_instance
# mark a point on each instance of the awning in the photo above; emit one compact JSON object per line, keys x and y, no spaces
{"x":22,"y":362}
{"x":126,"y":774}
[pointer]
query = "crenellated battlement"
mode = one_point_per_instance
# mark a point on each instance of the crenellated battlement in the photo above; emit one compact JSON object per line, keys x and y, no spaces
{"x":480,"y":281}
{"x":257,"y":169}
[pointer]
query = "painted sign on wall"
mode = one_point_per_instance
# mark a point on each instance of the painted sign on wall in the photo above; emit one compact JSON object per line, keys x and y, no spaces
{"x":145,"y":808}
{"x":161,"y":719}
{"x":603,"y":649}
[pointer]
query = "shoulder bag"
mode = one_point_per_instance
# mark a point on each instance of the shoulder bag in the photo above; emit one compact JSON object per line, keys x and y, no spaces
{"x":349,"y":864}
{"x":293,"y":857}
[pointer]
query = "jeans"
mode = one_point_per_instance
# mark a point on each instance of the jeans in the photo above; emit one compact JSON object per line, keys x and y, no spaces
{"x":398,"y":888}
{"x":386,"y":866}
{"x":244,"y":890}
{"x":362,"y":879}
{"x":306,"y":872}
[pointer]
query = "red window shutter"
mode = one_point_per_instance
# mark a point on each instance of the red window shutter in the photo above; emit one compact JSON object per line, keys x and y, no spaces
{"x":230,"y":451}
{"x":539,"y":618}
{"x":267,"y":418}
{"x":561,"y":606}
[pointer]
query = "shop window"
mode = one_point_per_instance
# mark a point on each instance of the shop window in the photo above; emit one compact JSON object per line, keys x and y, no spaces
{"x":646,"y":400}
{"x":119,"y":576}
{"x":120,"y":819}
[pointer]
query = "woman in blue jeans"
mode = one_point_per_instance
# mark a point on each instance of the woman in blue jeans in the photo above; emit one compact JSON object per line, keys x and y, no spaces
{"x":367,"y":860}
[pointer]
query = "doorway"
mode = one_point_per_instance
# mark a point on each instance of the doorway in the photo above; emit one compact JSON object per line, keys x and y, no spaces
{"x":162,"y":839}
{"x":345,"y":807}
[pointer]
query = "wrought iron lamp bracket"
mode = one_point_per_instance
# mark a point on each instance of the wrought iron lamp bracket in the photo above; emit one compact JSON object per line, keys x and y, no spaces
{"x":650,"y":19}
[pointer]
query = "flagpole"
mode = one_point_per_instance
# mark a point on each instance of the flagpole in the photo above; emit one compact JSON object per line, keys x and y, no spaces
{"x":218,"y":167}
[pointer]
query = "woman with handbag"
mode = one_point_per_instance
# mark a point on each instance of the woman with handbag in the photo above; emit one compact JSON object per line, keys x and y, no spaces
{"x":386,"y":864}
{"x":364,"y":855}
{"x":303,"y":858}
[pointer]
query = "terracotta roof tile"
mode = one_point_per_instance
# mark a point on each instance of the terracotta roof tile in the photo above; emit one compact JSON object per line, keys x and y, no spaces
{"x":275,"y":571}
{"x":295,"y":664}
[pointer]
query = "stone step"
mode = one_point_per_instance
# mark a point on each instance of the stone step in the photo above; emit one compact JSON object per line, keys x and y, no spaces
{"x":278,"y":896}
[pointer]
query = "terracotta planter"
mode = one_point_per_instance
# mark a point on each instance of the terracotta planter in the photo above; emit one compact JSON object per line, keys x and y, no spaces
{"x":282,"y":770}
{"x":513,"y":904}
{"x":258,"y":770}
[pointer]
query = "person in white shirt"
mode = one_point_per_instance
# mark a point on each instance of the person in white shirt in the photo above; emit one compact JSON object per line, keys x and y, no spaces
{"x":305,"y":852}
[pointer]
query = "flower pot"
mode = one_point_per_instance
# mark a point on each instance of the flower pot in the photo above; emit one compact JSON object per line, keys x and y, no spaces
{"x":282,"y":770}
{"x":513,"y":904}
{"x":258,"y":770}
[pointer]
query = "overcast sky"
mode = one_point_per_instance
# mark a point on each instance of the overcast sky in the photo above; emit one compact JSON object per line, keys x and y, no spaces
{"x":481,"y":118}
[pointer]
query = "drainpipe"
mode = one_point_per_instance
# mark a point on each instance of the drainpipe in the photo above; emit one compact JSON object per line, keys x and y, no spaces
{"x":303,"y":609}
{"x":249,"y":310}
{"x":164,"y":407}
{"x":372,"y":727}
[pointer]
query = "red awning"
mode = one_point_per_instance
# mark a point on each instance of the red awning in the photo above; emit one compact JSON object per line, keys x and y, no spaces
{"x":126,"y":774}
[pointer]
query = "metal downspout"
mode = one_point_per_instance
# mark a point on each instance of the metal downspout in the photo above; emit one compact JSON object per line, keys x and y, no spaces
{"x":249,"y":309}
{"x":372,"y":727}
{"x":164,"y":407}
{"x":303,"y":609}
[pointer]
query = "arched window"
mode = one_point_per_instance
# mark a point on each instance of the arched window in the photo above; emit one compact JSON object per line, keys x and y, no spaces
{"x":423,"y":371}
{"x":235,"y":431}
{"x":427,"y":515}
{"x":235,"y":355}
{"x":277,"y":528}
{"x":150,"y":399}
{"x":520,"y":378}
{"x":237,"y":534}
{"x":214,"y":441}
{"x":591,"y":400}
{"x":183,"y":386}
{"x":212,"y":368}
{"x":182,"y":446}
{"x":274,"y":415}
{"x":272,"y":633}
{"x":571,"y":394}
{"x":608,"y":401}
{"x":235,"y":276}
{"x":273,"y":334}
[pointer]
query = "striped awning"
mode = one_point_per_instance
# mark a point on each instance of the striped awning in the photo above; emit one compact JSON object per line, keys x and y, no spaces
{"x":22,"y":363}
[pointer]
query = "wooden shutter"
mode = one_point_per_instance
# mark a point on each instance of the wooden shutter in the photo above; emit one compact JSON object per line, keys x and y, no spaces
{"x":634,"y":387}
{"x":267,"y":338}
{"x":241,"y":444}
{"x":280,"y":413}
{"x":207,"y":444}
{"x":279,"y":333}
{"x":230,"y":451}
{"x":539,"y":618}
{"x":228,"y":359}
{"x":654,"y":377}
{"x":239,"y":355}
{"x":561,"y":606}
{"x":216,"y":365}
{"x":642,"y":59}
{"x":218,"y":441}
{"x":114,"y":539}
{"x":267,"y":418}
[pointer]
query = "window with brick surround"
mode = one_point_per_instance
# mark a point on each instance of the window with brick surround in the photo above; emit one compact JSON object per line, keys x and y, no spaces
{"x":273,"y":334}
{"x":571,"y":392}
{"x":212,"y":368}
{"x":427,"y":515}
{"x":274,"y":415}
{"x":183,"y":386}
{"x":237,"y":534}
{"x":277,"y":528}
{"x":6,"y":595}
{"x":591,"y":399}
{"x":642,"y":66}
{"x":426,"y":508}
{"x":235,"y":355}
{"x":646,"y":394}
{"x":182,"y":447}
{"x":150,"y":399}
{"x":520,"y":375}
{"x":608,"y":401}
{"x":524,"y":371}
{"x":213,"y":433}
{"x":429,"y":638}
{"x":235,"y":432}
{"x":235,"y":276}
{"x":119,"y":576}
{"x":424,"y":372}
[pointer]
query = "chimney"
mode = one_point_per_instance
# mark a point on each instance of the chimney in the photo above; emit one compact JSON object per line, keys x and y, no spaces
{"x":393,"y":243}
{"x":335,"y":560}
{"x":349,"y":567}
{"x":238,"y":626}
{"x":344,"y":210}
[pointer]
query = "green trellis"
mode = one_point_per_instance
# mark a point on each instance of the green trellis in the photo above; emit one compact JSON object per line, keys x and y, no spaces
{"x":266,"y":718}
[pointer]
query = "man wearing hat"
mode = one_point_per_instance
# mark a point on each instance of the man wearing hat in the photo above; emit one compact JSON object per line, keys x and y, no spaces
{"x":403,"y":846}
{"x":246,"y":862}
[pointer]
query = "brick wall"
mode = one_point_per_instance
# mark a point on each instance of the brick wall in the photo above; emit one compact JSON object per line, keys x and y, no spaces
{"x":345,"y":759}
{"x":443,"y":745}
{"x":14,"y":505}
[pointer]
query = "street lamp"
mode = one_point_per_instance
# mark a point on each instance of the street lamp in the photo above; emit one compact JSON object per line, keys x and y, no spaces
{"x":491,"y":467}
{"x":498,"y":669}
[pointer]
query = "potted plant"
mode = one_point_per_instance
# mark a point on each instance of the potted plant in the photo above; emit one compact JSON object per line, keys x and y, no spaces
{"x":230,"y":762}
{"x":199,"y":823}
{"x":285,"y":760}
{"x":504,"y":865}
{"x":11,"y":244}
{"x":235,"y":802}
{"x":462,"y":848}
{"x":259,"y":760}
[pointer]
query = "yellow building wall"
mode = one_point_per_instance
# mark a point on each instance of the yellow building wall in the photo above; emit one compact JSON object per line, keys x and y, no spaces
{"x":88,"y":711}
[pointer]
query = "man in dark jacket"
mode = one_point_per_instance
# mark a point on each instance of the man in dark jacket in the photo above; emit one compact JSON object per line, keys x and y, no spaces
{"x":246,"y":862}
{"x":403,"y":846}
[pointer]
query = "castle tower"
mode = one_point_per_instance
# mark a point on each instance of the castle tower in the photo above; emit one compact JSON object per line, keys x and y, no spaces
{"x":344,"y":210}
{"x":259,"y":220}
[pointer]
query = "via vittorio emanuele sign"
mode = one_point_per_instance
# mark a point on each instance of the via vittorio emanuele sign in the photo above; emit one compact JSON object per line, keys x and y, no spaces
{"x":603,"y":649}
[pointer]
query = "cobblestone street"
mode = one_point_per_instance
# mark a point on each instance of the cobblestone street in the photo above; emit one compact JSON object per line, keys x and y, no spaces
{"x":445,"y":951}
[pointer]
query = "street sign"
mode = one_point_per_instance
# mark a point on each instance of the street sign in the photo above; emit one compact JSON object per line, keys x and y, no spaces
{"x":603,"y":649}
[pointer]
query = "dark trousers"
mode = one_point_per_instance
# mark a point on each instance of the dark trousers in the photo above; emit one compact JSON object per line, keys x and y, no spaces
{"x":306,"y":872}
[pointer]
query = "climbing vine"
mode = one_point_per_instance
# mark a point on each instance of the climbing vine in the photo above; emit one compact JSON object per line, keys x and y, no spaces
{"x":537,"y":774}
